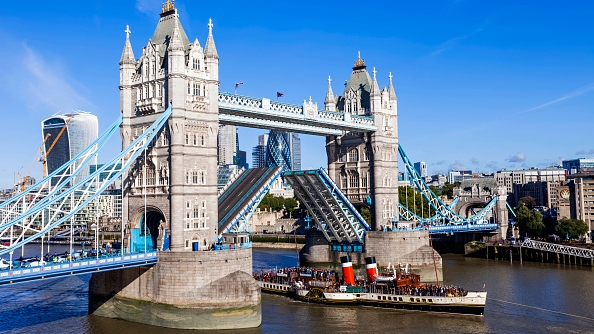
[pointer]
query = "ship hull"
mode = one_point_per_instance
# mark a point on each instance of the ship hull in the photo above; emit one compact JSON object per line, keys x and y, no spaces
{"x":471,"y":304}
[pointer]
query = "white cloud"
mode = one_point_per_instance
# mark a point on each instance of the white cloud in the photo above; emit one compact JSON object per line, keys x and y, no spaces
{"x":568,"y":96}
{"x":585,"y":152}
{"x":149,"y":7}
{"x":453,"y":42}
{"x":518,"y":157}
{"x":47,"y":86}
{"x":458,"y":165}
{"x":475,"y":161}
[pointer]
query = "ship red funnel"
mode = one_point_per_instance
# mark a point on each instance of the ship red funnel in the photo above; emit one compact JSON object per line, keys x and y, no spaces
{"x":347,"y":270}
{"x":370,"y":268}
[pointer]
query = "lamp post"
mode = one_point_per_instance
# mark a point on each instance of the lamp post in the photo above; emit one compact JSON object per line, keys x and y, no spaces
{"x":96,"y":227}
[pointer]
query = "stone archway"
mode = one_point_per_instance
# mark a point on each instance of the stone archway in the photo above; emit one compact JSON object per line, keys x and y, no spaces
{"x":149,"y":230}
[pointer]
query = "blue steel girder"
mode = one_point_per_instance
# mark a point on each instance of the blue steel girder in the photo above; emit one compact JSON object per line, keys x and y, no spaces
{"x":408,"y":215}
{"x":266,"y":114}
{"x":338,"y":220}
{"x":38,"y":194}
{"x":429,"y":196}
{"x":61,"y":206}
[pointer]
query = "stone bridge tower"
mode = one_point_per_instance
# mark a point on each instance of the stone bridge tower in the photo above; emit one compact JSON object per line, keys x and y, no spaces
{"x":174,"y":188}
{"x":365,"y":165}
{"x":474,"y":194}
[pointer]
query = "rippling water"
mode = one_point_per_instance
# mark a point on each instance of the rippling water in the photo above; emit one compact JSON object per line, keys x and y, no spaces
{"x":523,"y":298}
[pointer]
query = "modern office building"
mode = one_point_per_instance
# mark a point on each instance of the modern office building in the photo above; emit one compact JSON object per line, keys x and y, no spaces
{"x":69,"y":134}
{"x":459,"y":175}
{"x":278,"y":150}
{"x":534,"y":182}
{"x":296,"y":151}
{"x":421,"y":168}
{"x":573,"y":166}
{"x":581,"y":196}
{"x":227,"y":145}
{"x":259,"y":152}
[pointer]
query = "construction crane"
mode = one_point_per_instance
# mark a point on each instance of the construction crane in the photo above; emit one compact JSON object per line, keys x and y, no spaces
{"x":23,"y":180}
{"x":43,"y":155}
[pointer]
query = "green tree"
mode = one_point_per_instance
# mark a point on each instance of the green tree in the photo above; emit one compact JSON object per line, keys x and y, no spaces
{"x":571,"y":228}
{"x":290,"y":205}
{"x":448,"y":189}
{"x":528,"y":201}
{"x":277,"y":203}
{"x":529,"y":222}
{"x":414,"y":202}
{"x":366,"y":213}
{"x":265,"y":203}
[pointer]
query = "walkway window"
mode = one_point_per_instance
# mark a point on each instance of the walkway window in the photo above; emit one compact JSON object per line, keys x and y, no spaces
{"x":150,"y":175}
{"x":354,"y":155}
{"x":353,"y":179}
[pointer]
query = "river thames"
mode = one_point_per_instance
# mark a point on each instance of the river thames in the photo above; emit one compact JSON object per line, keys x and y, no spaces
{"x":522,"y":298}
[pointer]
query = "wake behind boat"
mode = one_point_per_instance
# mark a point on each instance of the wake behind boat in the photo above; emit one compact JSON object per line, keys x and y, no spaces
{"x":393,"y":288}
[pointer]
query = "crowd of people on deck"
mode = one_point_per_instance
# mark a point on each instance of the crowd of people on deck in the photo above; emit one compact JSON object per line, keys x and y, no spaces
{"x":292,"y":275}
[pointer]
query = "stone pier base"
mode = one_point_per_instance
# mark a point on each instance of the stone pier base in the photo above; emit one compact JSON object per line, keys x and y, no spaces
{"x":185,"y":290}
{"x":395,"y":248}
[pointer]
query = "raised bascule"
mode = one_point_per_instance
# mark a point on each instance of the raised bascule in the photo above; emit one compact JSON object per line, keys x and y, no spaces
{"x":173,"y":270}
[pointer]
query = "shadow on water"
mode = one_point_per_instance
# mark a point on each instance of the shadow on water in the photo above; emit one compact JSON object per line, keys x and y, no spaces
{"x":43,"y":302}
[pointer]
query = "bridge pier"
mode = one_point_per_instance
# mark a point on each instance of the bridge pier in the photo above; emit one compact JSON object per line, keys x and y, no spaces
{"x":186,"y":290}
{"x":388,"y":248}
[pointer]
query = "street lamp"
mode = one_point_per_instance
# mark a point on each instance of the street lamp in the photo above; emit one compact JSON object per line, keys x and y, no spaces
{"x":96,"y":227}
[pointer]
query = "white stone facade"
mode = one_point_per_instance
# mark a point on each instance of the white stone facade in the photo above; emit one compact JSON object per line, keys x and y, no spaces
{"x":178,"y":179}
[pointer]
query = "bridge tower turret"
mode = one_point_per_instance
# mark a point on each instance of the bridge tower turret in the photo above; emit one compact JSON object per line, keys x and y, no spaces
{"x":172,"y":191}
{"x":365,"y":165}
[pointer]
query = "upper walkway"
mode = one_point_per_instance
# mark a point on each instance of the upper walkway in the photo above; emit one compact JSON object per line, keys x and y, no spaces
{"x":266,"y":114}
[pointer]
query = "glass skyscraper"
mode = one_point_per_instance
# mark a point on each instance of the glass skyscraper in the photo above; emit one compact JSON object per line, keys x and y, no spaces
{"x":70,"y":133}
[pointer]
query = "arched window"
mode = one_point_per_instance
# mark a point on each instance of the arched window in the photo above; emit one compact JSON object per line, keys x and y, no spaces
{"x":195,"y":177}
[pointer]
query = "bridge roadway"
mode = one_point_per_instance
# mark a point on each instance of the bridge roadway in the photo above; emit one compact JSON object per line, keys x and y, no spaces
{"x":234,"y":200}
{"x":77,"y":267}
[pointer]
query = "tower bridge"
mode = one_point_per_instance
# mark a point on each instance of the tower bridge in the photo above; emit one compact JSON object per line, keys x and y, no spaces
{"x":171,"y":110}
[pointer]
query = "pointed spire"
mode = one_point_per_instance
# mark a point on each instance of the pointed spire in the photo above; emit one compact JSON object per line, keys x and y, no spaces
{"x":391,"y":91}
{"x":210,"y":50}
{"x":196,"y":45}
{"x":375,"y":91}
{"x":176,"y":40}
{"x":330,"y":93}
{"x":127,"y":54}
{"x":330,"y":102}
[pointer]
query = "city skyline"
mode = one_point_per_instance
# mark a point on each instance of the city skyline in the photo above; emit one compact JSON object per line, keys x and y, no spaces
{"x":480,"y":86}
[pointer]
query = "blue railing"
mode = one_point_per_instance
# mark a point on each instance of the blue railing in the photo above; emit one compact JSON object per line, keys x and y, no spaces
{"x":78,"y":267}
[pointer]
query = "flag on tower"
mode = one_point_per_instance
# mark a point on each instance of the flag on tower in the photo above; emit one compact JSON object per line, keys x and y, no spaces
{"x":237,"y":84}
{"x":279,"y":94}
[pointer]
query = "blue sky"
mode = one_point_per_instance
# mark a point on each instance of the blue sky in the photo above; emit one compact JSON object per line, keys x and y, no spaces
{"x":481,"y":85}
